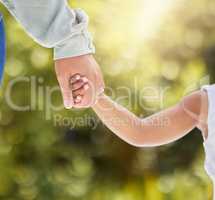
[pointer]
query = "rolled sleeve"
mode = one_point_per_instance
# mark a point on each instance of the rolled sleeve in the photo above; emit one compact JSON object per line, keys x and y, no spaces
{"x":52,"y":24}
{"x":80,"y":40}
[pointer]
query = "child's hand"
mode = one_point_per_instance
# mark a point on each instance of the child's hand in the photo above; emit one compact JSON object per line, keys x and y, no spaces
{"x":79,"y":85}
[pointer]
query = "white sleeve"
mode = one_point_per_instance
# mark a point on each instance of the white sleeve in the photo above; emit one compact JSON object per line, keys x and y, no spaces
{"x":210,"y":89}
{"x":53,"y":24}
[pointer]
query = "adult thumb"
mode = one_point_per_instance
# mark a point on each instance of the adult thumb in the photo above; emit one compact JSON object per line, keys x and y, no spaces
{"x":66,"y":93}
{"x":67,"y":98}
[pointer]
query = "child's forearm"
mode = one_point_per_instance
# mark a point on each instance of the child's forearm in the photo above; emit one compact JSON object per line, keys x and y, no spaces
{"x":161,"y":128}
{"x":119,"y":120}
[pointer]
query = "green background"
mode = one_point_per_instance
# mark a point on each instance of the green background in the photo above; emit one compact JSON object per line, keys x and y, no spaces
{"x":41,"y":160}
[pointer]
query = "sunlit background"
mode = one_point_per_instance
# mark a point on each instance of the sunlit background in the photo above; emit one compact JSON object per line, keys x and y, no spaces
{"x":159,"y":43}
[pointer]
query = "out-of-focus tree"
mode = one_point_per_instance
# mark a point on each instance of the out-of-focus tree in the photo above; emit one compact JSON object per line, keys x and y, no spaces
{"x":155,"y":44}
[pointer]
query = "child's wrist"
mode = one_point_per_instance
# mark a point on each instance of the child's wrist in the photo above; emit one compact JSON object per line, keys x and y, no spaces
{"x":99,"y":99}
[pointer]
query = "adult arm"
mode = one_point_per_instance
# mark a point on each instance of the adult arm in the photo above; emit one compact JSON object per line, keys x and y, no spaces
{"x":53,"y":24}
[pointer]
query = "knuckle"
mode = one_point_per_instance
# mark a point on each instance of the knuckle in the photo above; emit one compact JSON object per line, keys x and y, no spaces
{"x":81,"y":91}
{"x":78,"y":92}
{"x":75,"y":93}
{"x":77,"y":85}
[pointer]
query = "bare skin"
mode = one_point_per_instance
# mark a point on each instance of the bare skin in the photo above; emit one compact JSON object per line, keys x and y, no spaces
{"x":161,"y":128}
{"x":67,"y":67}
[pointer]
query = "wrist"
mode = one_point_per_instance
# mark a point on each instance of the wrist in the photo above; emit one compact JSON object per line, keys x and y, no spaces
{"x":99,"y":100}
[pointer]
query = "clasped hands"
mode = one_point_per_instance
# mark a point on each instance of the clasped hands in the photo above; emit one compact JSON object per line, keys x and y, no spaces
{"x":80,"y":81}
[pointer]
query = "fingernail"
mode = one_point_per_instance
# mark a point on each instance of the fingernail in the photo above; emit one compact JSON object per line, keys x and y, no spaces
{"x":78,"y":77}
{"x":85,"y":80}
{"x":79,"y":98}
{"x":86,"y":87}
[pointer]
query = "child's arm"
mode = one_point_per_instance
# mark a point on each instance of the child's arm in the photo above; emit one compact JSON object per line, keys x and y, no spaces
{"x":161,"y":128}
{"x":158,"y":129}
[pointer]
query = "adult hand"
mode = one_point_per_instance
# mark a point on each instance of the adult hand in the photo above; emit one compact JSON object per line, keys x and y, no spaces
{"x":84,"y":65}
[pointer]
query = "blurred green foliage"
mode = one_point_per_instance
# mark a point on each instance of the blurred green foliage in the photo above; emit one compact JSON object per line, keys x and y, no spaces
{"x":42,"y":160}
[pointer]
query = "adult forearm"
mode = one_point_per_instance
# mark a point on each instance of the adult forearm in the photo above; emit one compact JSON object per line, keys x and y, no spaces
{"x":52,"y":24}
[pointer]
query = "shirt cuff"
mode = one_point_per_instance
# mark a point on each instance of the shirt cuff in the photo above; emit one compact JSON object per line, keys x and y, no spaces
{"x":76,"y":45}
{"x":210,"y":89}
{"x":80,"y":41}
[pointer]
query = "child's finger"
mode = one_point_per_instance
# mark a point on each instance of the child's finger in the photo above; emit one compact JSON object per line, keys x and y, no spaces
{"x":75,"y":78}
{"x":80,"y":91}
{"x":77,"y":85}
{"x":78,"y":99}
